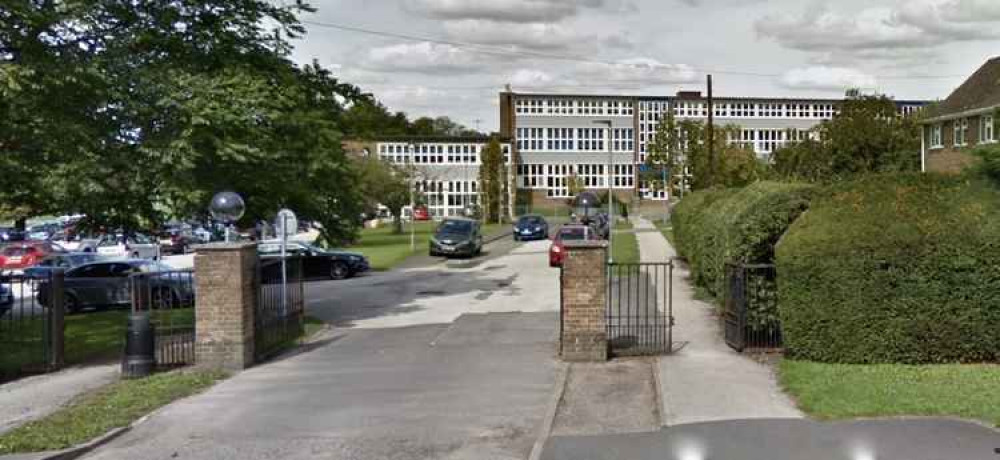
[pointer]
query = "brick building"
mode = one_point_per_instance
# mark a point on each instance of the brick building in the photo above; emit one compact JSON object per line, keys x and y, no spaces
{"x":966,"y":119}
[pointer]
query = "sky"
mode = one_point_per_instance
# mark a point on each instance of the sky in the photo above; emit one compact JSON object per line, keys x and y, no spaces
{"x":452,"y":57}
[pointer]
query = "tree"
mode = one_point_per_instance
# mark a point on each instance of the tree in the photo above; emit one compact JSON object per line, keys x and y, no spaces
{"x":492,"y":182}
{"x":684,"y":144}
{"x":575,"y":185}
{"x":383,"y":183}
{"x":867,"y":136}
{"x":665,"y":151}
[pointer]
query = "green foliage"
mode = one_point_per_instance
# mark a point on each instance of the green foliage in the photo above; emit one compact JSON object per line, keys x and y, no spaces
{"x":384,"y":183}
{"x":894,"y":268}
{"x":866,"y":137}
{"x":739,"y":226}
{"x":989,"y":164}
{"x":493,"y":183}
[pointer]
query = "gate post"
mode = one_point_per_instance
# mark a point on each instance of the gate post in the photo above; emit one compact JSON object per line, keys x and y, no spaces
{"x":226,"y":298}
{"x":584,"y":286}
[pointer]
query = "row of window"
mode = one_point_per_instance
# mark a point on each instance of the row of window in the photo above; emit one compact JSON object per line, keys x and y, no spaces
{"x":555,"y":178}
{"x":448,"y":198}
{"x":574,"y":139}
{"x":583,"y":107}
{"x":465,"y":154}
{"x":960,"y":132}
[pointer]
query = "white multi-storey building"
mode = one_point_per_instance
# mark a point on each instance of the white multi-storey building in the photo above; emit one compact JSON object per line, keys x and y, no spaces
{"x":557,"y":136}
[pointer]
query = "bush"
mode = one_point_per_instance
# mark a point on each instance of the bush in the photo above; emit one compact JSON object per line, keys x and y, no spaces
{"x":894,"y":268}
{"x":688,"y":219}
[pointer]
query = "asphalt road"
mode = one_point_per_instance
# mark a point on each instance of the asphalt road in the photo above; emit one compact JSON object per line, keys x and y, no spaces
{"x":455,"y":360}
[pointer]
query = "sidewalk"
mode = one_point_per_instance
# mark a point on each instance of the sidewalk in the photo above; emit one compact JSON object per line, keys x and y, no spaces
{"x":30,"y":398}
{"x":704,"y":380}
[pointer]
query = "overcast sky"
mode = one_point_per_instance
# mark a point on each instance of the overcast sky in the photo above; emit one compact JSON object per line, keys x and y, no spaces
{"x":792,"y":48}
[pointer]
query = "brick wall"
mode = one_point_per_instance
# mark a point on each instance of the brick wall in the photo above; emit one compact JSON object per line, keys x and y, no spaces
{"x":226,"y":300}
{"x":584,"y":299}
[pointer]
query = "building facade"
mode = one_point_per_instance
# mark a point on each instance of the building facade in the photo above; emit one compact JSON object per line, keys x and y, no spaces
{"x":968,"y":118}
{"x":556,"y":136}
{"x":446,"y":168}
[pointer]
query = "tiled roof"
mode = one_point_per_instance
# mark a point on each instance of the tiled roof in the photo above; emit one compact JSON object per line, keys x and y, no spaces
{"x":980,"y":91}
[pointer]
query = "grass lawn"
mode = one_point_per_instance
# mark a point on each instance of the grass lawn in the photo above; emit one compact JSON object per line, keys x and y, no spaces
{"x":668,"y":232}
{"x":836,"y":391}
{"x":112,"y":406}
{"x":385,"y":249}
{"x":624,"y":245}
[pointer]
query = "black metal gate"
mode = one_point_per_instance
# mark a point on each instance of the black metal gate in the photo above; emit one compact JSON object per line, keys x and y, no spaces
{"x":750,"y":315}
{"x":278,"y":320}
{"x":640,"y":308}
{"x":32,"y":328}
{"x":169,"y":298}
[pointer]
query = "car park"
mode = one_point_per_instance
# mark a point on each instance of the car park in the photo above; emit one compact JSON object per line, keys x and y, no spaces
{"x":134,"y":246}
{"x":16,"y":257}
{"x":11,"y":234}
{"x":316,"y":261}
{"x":457,"y":236}
{"x":64,"y":261}
{"x":109,"y":284}
{"x":575,"y":232}
{"x":531,"y":227}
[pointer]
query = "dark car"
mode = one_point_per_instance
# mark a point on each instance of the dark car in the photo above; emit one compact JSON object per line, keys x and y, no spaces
{"x":316,"y":261}
{"x":65,"y":261}
{"x":6,"y":299}
{"x":457,"y":236}
{"x":108,"y":284}
{"x":531,"y":227}
{"x":11,"y":234}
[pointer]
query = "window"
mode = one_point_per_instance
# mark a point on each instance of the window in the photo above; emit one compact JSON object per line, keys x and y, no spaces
{"x":961,"y":132}
{"x":935,"y":137}
{"x":986,"y":126}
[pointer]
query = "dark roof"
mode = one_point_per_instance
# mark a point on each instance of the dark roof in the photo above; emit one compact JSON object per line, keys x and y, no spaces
{"x":980,"y":91}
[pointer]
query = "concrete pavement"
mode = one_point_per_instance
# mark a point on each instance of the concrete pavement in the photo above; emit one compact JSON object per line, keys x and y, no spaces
{"x":34,"y":397}
{"x":455,"y":361}
{"x":705,"y":380}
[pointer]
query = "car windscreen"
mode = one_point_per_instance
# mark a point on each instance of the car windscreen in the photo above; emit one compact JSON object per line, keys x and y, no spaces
{"x":532,"y":220}
{"x":453,"y":227}
{"x":573,"y":234}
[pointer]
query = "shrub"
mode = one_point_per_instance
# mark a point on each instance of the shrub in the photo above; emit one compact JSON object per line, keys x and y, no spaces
{"x":894,"y":268}
{"x":688,"y":221}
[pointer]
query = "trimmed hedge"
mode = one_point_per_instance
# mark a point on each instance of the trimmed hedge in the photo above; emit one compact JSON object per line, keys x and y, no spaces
{"x":894,"y":268}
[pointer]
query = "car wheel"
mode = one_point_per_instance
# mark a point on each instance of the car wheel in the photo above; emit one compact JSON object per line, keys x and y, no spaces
{"x":339,"y":271}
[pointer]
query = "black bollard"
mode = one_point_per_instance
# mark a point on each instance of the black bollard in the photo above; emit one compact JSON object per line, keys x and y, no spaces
{"x":140,"y":358}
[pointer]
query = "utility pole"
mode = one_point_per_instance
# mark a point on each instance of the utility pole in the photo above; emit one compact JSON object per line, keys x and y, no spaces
{"x":711,"y":135}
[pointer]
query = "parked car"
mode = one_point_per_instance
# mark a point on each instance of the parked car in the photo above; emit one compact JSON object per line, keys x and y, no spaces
{"x":11,"y":234}
{"x":531,"y":227}
{"x":6,"y":299}
{"x":16,"y":257}
{"x":575,"y":232}
{"x":457,"y":236}
{"x":107,"y":284}
{"x":600,"y":224}
{"x":421,"y":214}
{"x":178,"y":242}
{"x":316,"y":261}
{"x":65,"y":261}
{"x":135,"y":246}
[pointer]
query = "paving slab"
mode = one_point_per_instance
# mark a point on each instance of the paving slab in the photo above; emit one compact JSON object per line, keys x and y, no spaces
{"x":31,"y":398}
{"x":614,"y":397}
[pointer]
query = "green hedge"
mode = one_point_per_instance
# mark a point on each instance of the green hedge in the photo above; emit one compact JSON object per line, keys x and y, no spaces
{"x":689,"y":221}
{"x":902,"y":268}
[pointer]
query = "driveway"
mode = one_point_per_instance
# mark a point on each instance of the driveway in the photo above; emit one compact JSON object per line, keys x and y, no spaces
{"x":453,"y":361}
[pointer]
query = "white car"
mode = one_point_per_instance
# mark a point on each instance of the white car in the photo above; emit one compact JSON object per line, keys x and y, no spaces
{"x":131,"y":247}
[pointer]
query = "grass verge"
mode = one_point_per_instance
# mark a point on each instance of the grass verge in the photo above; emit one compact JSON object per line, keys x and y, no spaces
{"x":837,"y":391}
{"x":624,"y":245}
{"x":114,"y":406}
{"x":385,"y":249}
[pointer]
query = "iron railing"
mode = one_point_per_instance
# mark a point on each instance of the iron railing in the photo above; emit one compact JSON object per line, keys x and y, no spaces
{"x":32,"y":327}
{"x":278,"y":320}
{"x":750,"y":313}
{"x":169,"y":299}
{"x":640,"y":308}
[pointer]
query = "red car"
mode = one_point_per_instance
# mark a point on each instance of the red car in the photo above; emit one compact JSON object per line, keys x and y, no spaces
{"x":421,"y":214}
{"x":557,"y":252}
{"x":16,"y":257}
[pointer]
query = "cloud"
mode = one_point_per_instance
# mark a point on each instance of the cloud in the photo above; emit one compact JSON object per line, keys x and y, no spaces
{"x":918,"y":24}
{"x":425,"y":58}
{"x":530,"y":78}
{"x":503,"y":10}
{"x":826,"y":79}
{"x":531,"y":35}
{"x":638,"y":71}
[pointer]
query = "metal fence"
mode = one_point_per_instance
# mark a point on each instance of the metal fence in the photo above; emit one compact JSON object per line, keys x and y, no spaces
{"x":640,"y":308}
{"x":169,"y":298}
{"x":32,"y":327}
{"x":278,"y":320}
{"x":750,"y":315}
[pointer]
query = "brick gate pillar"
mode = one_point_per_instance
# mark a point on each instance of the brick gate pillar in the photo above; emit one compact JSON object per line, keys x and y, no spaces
{"x":226,"y":298}
{"x":584,"y":295}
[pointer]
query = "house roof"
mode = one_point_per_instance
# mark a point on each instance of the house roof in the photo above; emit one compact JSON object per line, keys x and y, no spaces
{"x":981,"y":91}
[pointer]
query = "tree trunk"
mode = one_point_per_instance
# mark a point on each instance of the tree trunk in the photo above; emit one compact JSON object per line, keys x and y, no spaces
{"x":20,"y":224}
{"x":397,"y":225}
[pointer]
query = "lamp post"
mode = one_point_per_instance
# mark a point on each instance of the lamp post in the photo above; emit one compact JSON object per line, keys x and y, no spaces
{"x":413,"y":210}
{"x":227,"y":207}
{"x":611,"y":196}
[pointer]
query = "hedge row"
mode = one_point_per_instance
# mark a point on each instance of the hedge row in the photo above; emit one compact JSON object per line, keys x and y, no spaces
{"x":902,"y":268}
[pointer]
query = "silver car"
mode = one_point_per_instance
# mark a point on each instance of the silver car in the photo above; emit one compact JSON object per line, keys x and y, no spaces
{"x":113,"y":283}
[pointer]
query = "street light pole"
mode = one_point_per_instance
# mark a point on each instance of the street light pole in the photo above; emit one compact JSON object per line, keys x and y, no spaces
{"x":611,"y":196}
{"x":413,"y":210}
